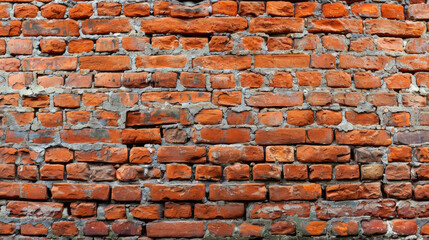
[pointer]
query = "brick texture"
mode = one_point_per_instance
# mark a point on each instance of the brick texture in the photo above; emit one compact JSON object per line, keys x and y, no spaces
{"x":214,"y":119}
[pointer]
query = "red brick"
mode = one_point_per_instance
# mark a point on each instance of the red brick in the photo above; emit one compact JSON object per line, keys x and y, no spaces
{"x":25,"y":11}
{"x":390,"y":44}
{"x":81,"y":11}
{"x":309,"y":78}
{"x":338,"y":79}
{"x":49,"y":63}
{"x":295,"y":192}
{"x":252,"y":9}
{"x":283,"y":9}
{"x":373,"y":227}
{"x":280,"y":136}
{"x":221,"y":136}
{"x":80,"y":45}
{"x":393,"y":28}
{"x":224,"y":154}
{"x":186,"y":192}
{"x":266,"y":172}
{"x":392,"y":11}
{"x":205,"y":211}
{"x":10,"y":64}
{"x":91,"y":136}
{"x":319,"y":98}
{"x":137,"y":9}
{"x":383,"y":99}
{"x":82,"y":210}
{"x":334,"y":43}
{"x":366,"y":80}
{"x":225,"y":8}
{"x":38,"y":101}
{"x":250,"y":230}
{"x":295,"y":172}
{"x":33,"y":229}
{"x":174,"y":97}
{"x":222,"y":81}
{"x":355,"y":191}
{"x":309,"y":42}
{"x":366,"y":62}
{"x":251,"y":80}
{"x":54,"y":11}
{"x":236,"y":192}
{"x":80,"y":191}
{"x":95,"y":228}
{"x":194,"y":26}
{"x":364,"y":137}
{"x":165,"y":43}
{"x":237,"y":172}
{"x":190,"y":229}
{"x":52,"y":172}
{"x":221,"y":229}
{"x":179,"y":10}
{"x":346,"y":172}
{"x":282,"y":61}
{"x":178,"y":172}
{"x":362,"y":44}
{"x":11,"y":28}
{"x":305,"y":9}
{"x":20,"y":81}
{"x":105,"y":63}
{"x":208,"y":173}
{"x":65,"y":229}
{"x":197,"y":80}
{"x":240,"y":118}
{"x":279,"y":43}
{"x":134,"y":43}
{"x":341,"y":25}
{"x":50,"y":28}
{"x":222,"y":62}
{"x":127,"y":193}
{"x":324,"y":61}
{"x":268,"y":99}
{"x":320,"y":172}
{"x":316,"y":154}
{"x":174,"y":210}
{"x":418,"y":12}
{"x":106,"y":26}
{"x":345,"y":229}
{"x":404,"y":227}
{"x":365,"y":10}
{"x":209,"y":116}
{"x":223,"y":98}
{"x":334,"y":10}
{"x":107,"y":80}
{"x":20,"y":46}
{"x":362,"y":118}
{"x":7,"y":171}
{"x":47,"y":82}
{"x":157,"y":117}
{"x":328,"y":117}
{"x":282,"y":228}
{"x":300,"y":117}
{"x":272,"y":119}
{"x":276,"y":25}
{"x":4,"y":10}
{"x":189,"y":43}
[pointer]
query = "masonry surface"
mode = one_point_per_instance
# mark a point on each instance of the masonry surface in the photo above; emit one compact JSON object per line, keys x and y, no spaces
{"x":268,"y":120}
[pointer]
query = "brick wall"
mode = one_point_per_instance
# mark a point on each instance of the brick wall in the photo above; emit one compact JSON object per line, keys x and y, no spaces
{"x":215,"y":119}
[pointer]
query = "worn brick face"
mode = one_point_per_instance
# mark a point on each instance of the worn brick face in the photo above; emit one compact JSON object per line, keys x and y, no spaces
{"x":214,"y":119}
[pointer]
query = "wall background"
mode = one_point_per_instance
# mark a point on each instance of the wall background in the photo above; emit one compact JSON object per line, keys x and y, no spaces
{"x":217,"y":119}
